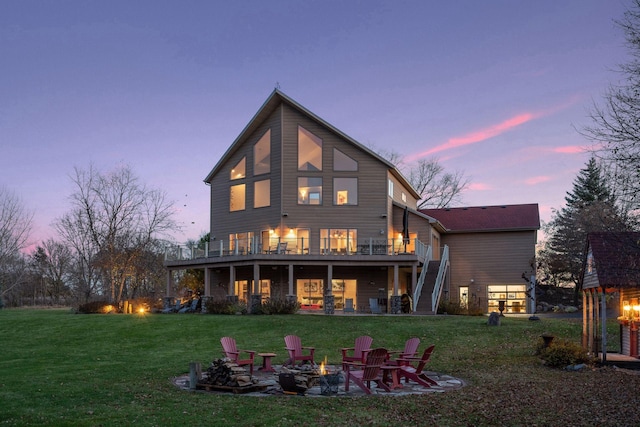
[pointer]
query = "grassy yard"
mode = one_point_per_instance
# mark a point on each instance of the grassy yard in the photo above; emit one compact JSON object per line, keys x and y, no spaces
{"x":58,"y":368}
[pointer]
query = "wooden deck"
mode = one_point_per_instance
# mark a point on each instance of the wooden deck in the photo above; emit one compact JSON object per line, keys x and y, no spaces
{"x":621,"y":360}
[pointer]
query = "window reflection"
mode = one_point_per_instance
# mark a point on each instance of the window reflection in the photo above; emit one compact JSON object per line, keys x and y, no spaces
{"x":309,"y":151}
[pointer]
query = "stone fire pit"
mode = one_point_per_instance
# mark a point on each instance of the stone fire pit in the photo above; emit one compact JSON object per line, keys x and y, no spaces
{"x":268,"y":384}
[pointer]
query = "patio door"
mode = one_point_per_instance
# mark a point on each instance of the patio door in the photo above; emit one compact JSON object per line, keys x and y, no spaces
{"x":343,"y":289}
{"x":310,"y":293}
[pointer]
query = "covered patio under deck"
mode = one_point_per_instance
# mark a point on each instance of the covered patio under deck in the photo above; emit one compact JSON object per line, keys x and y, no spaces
{"x":318,"y":282}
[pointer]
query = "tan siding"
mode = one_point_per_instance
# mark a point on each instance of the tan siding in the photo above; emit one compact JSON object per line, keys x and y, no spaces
{"x":366,"y":217}
{"x":398,"y":189}
{"x":489,"y":259}
{"x":224,"y":222}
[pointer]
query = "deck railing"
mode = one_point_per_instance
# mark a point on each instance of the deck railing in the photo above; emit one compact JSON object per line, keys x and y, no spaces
{"x":299,"y":246}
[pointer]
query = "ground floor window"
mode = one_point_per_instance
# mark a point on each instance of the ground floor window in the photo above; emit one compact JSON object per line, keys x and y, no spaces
{"x":310,"y":293}
{"x":242,"y":289}
{"x":342,"y":291}
{"x":514,"y":297}
{"x":265,"y":289}
{"x":464,"y":297}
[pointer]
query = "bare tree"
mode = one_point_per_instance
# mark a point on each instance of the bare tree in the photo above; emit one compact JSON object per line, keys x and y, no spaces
{"x":616,"y":122}
{"x":15,"y":227}
{"x":437,"y":188}
{"x":115,"y":219}
{"x":53,"y":263}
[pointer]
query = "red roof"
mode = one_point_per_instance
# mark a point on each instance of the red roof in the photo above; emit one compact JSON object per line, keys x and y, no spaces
{"x":616,"y":258}
{"x":487,"y":218}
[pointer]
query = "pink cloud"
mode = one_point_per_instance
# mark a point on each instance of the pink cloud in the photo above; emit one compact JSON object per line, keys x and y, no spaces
{"x":537,"y":180}
{"x":569,"y":149}
{"x":479,"y":186}
{"x":497,"y":129}
{"x":477,"y":136}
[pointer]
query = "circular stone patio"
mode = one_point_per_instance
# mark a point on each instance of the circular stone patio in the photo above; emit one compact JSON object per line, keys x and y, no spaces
{"x":272,"y":388}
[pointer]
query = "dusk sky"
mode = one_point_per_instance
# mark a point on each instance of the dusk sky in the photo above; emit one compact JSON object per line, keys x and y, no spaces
{"x":497,"y":89}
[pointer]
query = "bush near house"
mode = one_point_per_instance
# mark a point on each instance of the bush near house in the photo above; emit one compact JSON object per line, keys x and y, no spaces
{"x":454,"y":307}
{"x":224,"y":306}
{"x":279,"y":306}
{"x":561,"y":353}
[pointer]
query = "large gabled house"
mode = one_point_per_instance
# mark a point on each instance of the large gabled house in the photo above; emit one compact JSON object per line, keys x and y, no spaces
{"x":300,"y":210}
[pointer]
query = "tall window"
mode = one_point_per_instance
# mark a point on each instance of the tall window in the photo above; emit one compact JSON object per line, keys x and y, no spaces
{"x":262,"y":193}
{"x":343,"y":290}
{"x":240,"y":169}
{"x":345,"y":191}
{"x":237,"y":198}
{"x":309,"y":151}
{"x":242,"y":289}
{"x":240,"y":243}
{"x":262,"y":154}
{"x":309,"y":191}
{"x":338,"y":240}
{"x":390,"y":188}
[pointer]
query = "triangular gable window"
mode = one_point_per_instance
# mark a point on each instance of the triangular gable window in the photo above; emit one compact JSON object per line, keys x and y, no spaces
{"x":342,"y":162}
{"x":240,"y":170}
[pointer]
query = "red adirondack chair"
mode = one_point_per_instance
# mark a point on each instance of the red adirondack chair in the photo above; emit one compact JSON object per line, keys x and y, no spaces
{"x":295,"y":348}
{"x":414,"y":373}
{"x":363,"y":375}
{"x":358,"y":352}
{"x":410,"y":350}
{"x":233,"y":353}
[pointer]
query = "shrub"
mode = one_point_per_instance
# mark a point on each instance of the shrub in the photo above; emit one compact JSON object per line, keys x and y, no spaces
{"x":562,"y":353}
{"x":454,"y":307}
{"x":223,"y":306}
{"x":94,"y":307}
{"x":279,"y":306}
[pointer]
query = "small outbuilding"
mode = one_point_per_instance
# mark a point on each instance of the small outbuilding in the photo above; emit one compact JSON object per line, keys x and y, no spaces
{"x":611,"y":269}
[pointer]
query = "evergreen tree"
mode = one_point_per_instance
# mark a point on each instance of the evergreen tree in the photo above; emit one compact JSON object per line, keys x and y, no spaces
{"x":590,"y":207}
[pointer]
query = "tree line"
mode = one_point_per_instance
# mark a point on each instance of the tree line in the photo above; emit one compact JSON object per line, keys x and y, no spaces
{"x":111,"y":243}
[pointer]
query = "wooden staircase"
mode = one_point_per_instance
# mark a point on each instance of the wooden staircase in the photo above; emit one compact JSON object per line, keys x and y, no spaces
{"x":424,"y":303}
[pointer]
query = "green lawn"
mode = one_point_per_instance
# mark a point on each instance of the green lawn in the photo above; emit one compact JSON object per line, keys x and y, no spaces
{"x":58,"y":368}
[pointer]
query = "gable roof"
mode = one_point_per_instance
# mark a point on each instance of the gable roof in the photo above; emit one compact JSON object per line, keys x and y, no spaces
{"x":616,"y":257}
{"x":274,"y":100}
{"x":487,"y":218}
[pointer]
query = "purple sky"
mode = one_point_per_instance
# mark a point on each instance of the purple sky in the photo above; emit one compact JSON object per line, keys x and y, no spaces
{"x":493,"y":88}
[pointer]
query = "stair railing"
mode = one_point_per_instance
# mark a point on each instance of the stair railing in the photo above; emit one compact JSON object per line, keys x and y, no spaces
{"x":418,"y":290}
{"x":437,"y":289}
